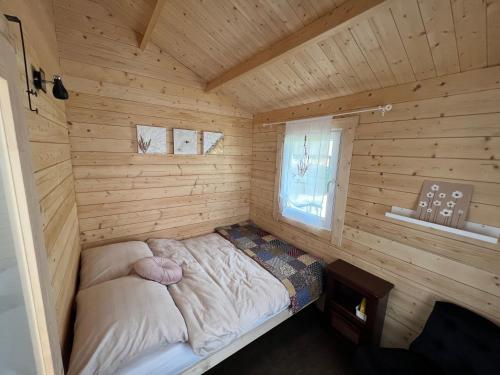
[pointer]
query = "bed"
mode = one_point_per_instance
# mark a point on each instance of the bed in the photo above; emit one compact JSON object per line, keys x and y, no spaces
{"x":179,"y":358}
{"x":237,"y":284}
{"x":301,"y":273}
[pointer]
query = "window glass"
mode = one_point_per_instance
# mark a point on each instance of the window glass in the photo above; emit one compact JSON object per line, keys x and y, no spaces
{"x":309,"y":169}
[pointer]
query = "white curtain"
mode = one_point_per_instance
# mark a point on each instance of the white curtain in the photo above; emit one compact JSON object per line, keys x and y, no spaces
{"x":309,"y":197}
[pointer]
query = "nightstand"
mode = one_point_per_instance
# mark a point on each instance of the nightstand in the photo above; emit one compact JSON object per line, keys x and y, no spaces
{"x":347,"y":286}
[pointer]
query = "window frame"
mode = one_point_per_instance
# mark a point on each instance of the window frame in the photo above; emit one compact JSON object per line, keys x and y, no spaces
{"x":334,"y":234}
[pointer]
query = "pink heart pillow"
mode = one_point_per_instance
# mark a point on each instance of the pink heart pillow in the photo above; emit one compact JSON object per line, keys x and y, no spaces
{"x":159,"y":269}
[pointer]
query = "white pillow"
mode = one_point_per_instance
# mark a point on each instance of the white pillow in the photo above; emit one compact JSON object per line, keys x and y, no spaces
{"x":103,"y":263}
{"x":165,"y":247}
{"x":120,"y":319}
{"x":174,"y":250}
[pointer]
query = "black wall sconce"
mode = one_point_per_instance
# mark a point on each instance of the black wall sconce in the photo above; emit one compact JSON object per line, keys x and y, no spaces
{"x":59,"y":91}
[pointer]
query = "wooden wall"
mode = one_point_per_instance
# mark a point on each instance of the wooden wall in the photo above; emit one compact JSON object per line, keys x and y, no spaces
{"x":114,"y":86}
{"x":444,"y":128}
{"x":50,"y":148}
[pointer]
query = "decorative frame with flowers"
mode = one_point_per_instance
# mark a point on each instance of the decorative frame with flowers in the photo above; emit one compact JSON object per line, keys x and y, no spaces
{"x":151,"y":139}
{"x":444,"y":203}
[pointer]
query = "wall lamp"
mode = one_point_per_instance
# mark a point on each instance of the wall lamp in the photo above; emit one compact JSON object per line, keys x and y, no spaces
{"x":59,"y":91}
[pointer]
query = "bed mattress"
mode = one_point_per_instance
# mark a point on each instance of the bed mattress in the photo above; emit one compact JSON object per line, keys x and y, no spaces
{"x":171,"y":359}
{"x":222,"y":291}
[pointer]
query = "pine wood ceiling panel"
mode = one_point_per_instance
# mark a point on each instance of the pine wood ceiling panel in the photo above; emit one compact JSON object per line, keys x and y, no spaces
{"x":174,"y":41}
{"x":387,"y":34}
{"x":330,"y":71}
{"x":317,"y":86}
{"x":438,"y":22}
{"x":134,"y":14}
{"x":411,"y":29}
{"x":339,"y":61}
{"x":155,"y":15}
{"x":345,"y":40}
{"x":370,"y":48}
{"x":405,"y":41}
{"x":493,"y":31}
{"x":470,"y":23}
{"x":230,"y":31}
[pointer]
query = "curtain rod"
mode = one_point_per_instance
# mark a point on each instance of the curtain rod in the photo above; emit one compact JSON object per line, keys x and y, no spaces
{"x":381,"y":108}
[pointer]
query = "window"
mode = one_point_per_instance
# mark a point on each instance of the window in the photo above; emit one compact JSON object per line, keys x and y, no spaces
{"x":308,"y":172}
{"x":314,"y":164}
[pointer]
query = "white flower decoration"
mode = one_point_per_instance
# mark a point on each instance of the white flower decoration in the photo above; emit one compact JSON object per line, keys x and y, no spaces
{"x":457,"y":194}
{"x":436,"y":203}
{"x":435,"y":187}
{"x":429,"y":210}
{"x":461,"y":212}
{"x":442,"y":195}
{"x":451,"y":204}
{"x":430,"y":194}
{"x":422,"y":204}
{"x":446,"y":212}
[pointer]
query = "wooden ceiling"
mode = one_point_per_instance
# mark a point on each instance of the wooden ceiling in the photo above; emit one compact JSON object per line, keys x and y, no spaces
{"x":211,"y":36}
{"x":400,"y":41}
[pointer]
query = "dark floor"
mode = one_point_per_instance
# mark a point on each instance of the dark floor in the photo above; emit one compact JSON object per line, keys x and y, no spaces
{"x":300,"y":345}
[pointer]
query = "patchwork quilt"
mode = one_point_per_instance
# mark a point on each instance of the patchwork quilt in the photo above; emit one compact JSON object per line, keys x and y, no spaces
{"x":302,"y":274}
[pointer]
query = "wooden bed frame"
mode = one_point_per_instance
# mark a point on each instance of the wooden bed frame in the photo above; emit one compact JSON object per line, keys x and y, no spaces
{"x":208,"y":362}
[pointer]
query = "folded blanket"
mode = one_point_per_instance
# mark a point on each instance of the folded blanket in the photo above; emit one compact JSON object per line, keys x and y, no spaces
{"x":222,"y":292}
{"x":302,"y":274}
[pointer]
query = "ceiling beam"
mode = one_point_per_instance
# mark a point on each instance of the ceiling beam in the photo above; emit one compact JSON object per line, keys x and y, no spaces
{"x":151,"y":24}
{"x":315,"y":31}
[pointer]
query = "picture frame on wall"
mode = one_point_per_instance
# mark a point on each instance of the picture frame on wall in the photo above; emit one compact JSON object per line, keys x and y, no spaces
{"x":185,"y":142}
{"x":213,"y":143}
{"x":151,"y":139}
{"x":444,"y":203}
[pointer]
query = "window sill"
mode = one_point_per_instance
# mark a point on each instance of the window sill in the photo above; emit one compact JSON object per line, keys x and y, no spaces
{"x":322,"y":233}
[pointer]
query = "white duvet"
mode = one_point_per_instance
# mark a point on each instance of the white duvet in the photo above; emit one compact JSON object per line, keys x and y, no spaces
{"x":222,"y":291}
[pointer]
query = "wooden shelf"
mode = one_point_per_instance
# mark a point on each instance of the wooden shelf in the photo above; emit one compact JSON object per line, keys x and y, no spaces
{"x":490,"y":234}
{"x":348,"y":314}
{"x":346,"y":286}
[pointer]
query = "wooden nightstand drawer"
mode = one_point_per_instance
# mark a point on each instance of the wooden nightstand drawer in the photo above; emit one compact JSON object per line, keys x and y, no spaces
{"x":345,"y":327}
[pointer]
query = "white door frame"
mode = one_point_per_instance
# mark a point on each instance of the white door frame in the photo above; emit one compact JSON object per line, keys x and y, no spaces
{"x":28,"y":236}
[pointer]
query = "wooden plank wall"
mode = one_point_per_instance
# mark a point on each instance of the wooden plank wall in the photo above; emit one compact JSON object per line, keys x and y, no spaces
{"x":444,"y":128}
{"x":48,"y":134}
{"x":114,"y":86}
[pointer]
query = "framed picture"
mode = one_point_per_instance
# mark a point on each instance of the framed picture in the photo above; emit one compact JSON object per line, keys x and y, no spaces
{"x":213,"y":143}
{"x":444,"y":203}
{"x":185,"y":142}
{"x":151,"y":140}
